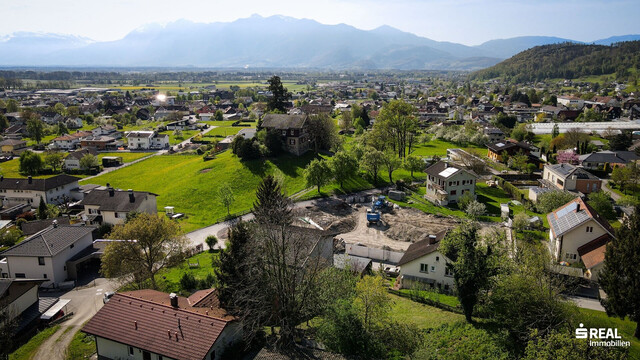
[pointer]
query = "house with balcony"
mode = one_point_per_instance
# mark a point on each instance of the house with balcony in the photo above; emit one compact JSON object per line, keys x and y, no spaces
{"x":568,"y":177}
{"x":147,"y":140}
{"x":446,"y":183}
{"x":112,"y":206}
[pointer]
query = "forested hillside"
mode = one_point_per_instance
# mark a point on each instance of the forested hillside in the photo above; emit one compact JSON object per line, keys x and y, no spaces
{"x":567,"y":61}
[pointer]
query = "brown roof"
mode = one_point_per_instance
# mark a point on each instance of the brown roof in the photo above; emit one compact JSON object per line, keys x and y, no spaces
{"x":204,"y":299}
{"x":592,"y":253}
{"x":146,"y":320}
{"x":421,"y":248}
{"x":74,"y":136}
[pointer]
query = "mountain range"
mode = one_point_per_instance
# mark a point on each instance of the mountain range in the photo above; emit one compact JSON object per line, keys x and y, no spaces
{"x":266,"y":42}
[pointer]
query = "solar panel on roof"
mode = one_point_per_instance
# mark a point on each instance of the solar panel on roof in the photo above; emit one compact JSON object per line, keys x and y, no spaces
{"x":448,"y":172}
{"x":500,"y":144}
{"x":571,"y":207}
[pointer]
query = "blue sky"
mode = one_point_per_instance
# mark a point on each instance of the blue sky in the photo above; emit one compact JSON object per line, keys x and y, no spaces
{"x":470,"y":22}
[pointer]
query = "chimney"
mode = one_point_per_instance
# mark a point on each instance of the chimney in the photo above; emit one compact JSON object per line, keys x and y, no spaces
{"x":132,"y":199}
{"x":1,"y":177}
{"x":111,"y":192}
{"x":174,"y":299}
{"x":108,"y":185}
{"x":135,"y":323}
{"x":30,"y":179}
{"x":432,"y":239}
{"x":55,"y":223}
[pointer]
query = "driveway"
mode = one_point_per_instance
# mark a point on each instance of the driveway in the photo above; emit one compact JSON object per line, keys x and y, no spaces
{"x":605,"y":187}
{"x":85,"y":302}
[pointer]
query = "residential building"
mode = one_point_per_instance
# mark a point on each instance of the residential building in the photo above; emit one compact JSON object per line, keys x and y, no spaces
{"x":494,"y":134}
{"x":149,"y":324}
{"x":45,"y":254}
{"x":571,"y":101}
{"x":599,"y":160}
{"x":19,"y":299}
{"x":570,"y":178}
{"x":423,"y":265}
{"x":69,"y":141}
{"x":100,"y":142}
{"x":294,"y":130}
{"x":447,"y":182}
{"x":146,"y":140}
{"x":111,"y":206}
{"x":510,"y":147}
{"x":13,"y":146}
{"x":577,"y":232}
{"x":107,"y":130}
{"x":54,"y":190}
{"x":72,"y":161}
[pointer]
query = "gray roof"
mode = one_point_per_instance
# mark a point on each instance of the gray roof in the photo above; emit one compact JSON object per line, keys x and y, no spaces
{"x":617,"y":157}
{"x":283,"y":121}
{"x":566,"y":170}
{"x":78,"y":154}
{"x":50,"y":241}
{"x":120,"y":200}
{"x":37,"y":184}
{"x":356,"y":264}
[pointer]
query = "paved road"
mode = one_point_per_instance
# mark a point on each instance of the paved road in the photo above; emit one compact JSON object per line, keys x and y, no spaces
{"x":605,"y":187}
{"x":587,"y":303}
{"x":85,"y":302}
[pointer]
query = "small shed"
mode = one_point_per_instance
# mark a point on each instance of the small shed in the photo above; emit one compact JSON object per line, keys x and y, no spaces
{"x":111,"y":161}
{"x":397,"y":195}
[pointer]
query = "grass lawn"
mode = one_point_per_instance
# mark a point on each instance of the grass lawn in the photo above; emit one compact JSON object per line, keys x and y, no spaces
{"x":28,"y":350}
{"x":439,"y":147}
{"x":434,"y":296}
{"x":626,"y":328}
{"x":424,"y":316}
{"x":170,"y":278}
{"x":174,"y":140}
{"x":82,"y":346}
{"x":224,"y":131}
{"x":191,"y":184}
{"x":127,"y":157}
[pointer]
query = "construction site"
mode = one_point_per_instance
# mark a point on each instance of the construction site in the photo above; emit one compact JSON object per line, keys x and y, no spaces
{"x":373,"y":222}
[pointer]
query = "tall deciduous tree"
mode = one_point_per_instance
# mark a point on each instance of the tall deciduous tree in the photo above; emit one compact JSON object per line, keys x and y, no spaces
{"x":397,"y":119}
{"x":143,"y":246}
{"x":372,"y":161}
{"x":53,"y":159}
{"x":89,"y":161}
{"x":317,"y":173}
{"x":620,"y":277}
{"x":343,"y":166}
{"x":226,"y":197}
{"x":323,"y":132}
{"x":391,"y":163}
{"x":279,"y":97}
{"x":35,"y":128}
{"x":413,"y":163}
{"x":469,"y":262}
{"x":30,"y":163}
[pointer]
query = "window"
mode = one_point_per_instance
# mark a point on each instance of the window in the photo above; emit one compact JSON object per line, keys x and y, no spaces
{"x":437,"y":258}
{"x":130,"y":350}
{"x":213,"y":355}
{"x":44,"y":276}
{"x":433,"y":268}
{"x":448,"y":271}
{"x":284,"y":132}
{"x":453,"y":192}
{"x":20,"y":276}
{"x":41,"y":260}
{"x":292,"y":141}
{"x":570,"y":256}
{"x":71,"y":246}
{"x":589,"y":229}
{"x":424,"y":268}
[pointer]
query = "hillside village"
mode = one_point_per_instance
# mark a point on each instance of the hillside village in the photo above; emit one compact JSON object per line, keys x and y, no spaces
{"x":381,"y":176}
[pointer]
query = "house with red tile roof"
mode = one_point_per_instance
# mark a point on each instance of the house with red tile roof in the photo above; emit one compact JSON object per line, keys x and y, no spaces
{"x":578,"y":233}
{"x":152,"y":325}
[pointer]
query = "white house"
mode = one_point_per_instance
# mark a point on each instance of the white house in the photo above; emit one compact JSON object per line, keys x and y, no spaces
{"x":447,"y":182}
{"x":577,"y":232}
{"x":571,"y":101}
{"x":149,"y":324}
{"x":54,"y":190}
{"x":112,"y":206}
{"x":44,"y":255}
{"x":69,"y":141}
{"x":423,"y":266}
{"x":145,"y":140}
{"x":72,"y":161}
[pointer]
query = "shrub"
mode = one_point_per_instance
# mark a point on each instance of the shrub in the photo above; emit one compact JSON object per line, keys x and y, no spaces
{"x":188,"y":282}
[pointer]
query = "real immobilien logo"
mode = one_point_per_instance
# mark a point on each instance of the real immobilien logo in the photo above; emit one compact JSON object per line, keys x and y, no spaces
{"x":601,"y":336}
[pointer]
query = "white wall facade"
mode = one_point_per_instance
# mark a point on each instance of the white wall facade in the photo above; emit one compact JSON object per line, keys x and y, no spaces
{"x":435,"y":264}
{"x":572,"y":240}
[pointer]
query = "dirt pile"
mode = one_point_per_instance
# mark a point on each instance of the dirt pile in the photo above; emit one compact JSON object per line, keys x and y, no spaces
{"x":411,"y":225}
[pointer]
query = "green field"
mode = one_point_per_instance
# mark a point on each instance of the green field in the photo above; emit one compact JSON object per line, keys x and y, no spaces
{"x":175,"y":86}
{"x":169,"y":278}
{"x":191,"y":184}
{"x":439,"y":147}
{"x":127,"y":157}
